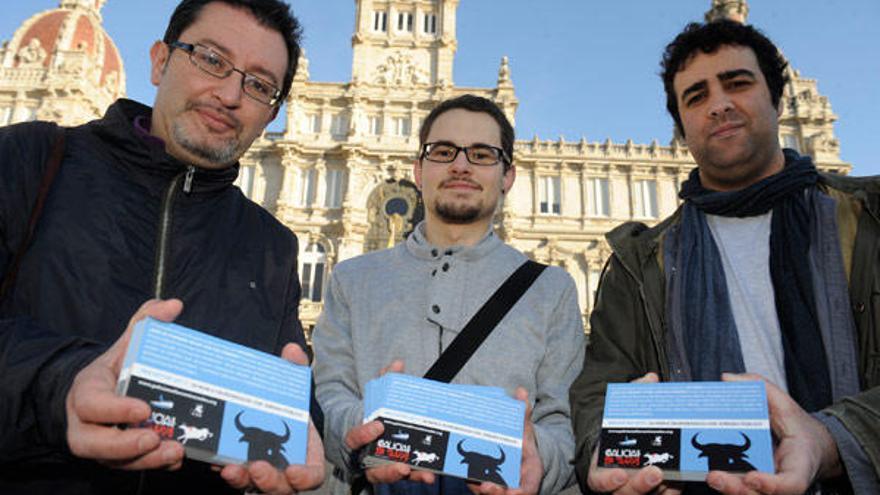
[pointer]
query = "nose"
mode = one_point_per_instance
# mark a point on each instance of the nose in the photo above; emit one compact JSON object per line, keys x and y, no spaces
{"x":229,"y":90}
{"x":461,"y":165}
{"x":720,"y":105}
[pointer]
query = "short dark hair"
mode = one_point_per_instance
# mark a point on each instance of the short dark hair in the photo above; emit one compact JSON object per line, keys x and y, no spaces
{"x":473,"y":103}
{"x":709,"y":37}
{"x":273,"y":14}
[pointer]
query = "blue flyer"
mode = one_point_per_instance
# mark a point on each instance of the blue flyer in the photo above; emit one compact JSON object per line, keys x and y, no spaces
{"x":687,"y":428}
{"x":226,"y":403}
{"x":468,"y":431}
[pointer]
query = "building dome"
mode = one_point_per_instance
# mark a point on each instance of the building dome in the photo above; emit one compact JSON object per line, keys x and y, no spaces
{"x":66,"y":51}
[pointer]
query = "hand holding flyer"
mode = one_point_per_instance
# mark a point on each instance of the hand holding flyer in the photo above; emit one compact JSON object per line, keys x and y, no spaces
{"x":468,"y":431}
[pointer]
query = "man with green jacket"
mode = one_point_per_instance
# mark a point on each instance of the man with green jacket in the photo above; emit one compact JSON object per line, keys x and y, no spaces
{"x":767,"y":270}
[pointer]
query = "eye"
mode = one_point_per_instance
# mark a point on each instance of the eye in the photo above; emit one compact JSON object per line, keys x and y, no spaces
{"x":259,"y":86}
{"x":481,"y":154}
{"x":211,"y":60}
{"x":441,"y":151}
{"x":694,"y":98}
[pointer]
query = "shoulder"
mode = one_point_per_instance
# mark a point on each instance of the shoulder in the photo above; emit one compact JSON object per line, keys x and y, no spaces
{"x":368,"y":266}
{"x":263,"y":225}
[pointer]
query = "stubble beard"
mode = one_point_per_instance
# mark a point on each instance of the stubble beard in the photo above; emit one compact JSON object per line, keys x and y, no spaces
{"x":225,"y":153}
{"x":458,"y":214}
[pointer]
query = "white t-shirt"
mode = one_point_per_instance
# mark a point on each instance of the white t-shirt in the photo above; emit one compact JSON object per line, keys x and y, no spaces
{"x":744,"y":245}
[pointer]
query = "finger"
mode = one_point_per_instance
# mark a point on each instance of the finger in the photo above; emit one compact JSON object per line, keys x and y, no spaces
{"x":363,"y":434}
{"x":295,"y":354}
{"x":268,"y":479}
{"x":606,"y":480}
{"x":389,"y":473}
{"x":426,"y":477}
{"x":106,"y":443}
{"x":784,"y":482}
{"x":728,"y":483}
{"x":649,"y":377}
{"x":164,"y":310}
{"x":396,"y":366}
{"x":302,"y":478}
{"x":645,"y":480}
{"x":169,"y":455}
{"x":236,"y":476}
{"x":92,"y":403}
{"x":487,"y":488}
{"x":315,"y":447}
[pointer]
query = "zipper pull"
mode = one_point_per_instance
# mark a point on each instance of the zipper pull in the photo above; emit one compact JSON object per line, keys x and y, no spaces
{"x":188,"y":180}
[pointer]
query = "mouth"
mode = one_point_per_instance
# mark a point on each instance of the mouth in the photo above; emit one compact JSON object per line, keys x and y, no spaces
{"x":460,"y":185}
{"x":216,"y":119}
{"x":726,"y":130}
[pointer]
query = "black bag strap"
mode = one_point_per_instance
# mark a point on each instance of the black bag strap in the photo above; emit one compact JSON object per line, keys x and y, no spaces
{"x":483,"y":322}
{"x":53,"y":164}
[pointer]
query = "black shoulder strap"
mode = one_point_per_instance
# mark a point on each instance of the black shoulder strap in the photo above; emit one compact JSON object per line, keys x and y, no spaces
{"x":53,"y":164}
{"x":481,"y":325}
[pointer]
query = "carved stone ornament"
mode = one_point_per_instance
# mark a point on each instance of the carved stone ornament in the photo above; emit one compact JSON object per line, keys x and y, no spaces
{"x":399,"y":70}
{"x":32,"y":54}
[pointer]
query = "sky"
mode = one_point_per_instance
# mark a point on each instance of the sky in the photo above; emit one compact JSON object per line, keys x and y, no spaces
{"x":581,"y":68}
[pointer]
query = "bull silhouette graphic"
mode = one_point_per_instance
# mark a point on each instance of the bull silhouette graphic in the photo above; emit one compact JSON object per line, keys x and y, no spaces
{"x":482,"y":466}
{"x":263,"y":445}
{"x":725,"y":457}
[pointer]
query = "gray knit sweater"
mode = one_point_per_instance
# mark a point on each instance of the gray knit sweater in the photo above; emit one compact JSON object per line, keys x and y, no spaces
{"x":410,"y":302}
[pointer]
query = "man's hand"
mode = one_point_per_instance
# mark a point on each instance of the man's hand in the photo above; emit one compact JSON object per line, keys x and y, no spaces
{"x":622,"y":482}
{"x":532,"y":471}
{"x":806,"y":451}
{"x":362,"y":435}
{"x":93,"y":408}
{"x":294,"y":478}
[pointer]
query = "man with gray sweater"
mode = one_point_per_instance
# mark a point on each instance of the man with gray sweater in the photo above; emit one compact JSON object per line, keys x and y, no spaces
{"x":399,"y":309}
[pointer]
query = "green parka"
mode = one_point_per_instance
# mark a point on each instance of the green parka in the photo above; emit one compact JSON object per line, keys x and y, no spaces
{"x":629,"y":326}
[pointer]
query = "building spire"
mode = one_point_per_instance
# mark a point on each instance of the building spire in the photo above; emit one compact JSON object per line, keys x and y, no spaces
{"x":93,"y":6}
{"x":734,"y":10}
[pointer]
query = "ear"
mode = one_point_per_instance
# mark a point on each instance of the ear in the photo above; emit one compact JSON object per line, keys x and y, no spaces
{"x":417,"y":173}
{"x":507,"y":181}
{"x":159,"y":53}
{"x":779,"y":107}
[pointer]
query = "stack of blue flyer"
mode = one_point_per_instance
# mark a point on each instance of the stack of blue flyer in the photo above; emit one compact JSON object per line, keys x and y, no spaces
{"x":686,"y":428}
{"x":468,"y":431}
{"x":226,"y":403}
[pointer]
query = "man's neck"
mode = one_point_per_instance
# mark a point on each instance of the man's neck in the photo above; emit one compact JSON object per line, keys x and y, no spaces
{"x":443,"y":234}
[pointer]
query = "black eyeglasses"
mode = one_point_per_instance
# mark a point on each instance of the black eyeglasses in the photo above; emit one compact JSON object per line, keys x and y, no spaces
{"x":477,"y":154}
{"x":214,"y":64}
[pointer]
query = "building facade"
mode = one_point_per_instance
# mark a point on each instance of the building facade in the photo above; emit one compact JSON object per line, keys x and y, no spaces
{"x":340,"y":174}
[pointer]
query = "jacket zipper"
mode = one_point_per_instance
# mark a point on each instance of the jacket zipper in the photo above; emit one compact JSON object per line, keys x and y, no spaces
{"x":165,"y":227}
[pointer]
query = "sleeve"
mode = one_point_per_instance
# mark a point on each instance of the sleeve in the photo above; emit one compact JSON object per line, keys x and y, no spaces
{"x":617,"y":351}
{"x":860,"y":475}
{"x":37,"y":365}
{"x":859,"y":416}
{"x":551,"y":415}
{"x":336,"y":384}
{"x":38,"y":368}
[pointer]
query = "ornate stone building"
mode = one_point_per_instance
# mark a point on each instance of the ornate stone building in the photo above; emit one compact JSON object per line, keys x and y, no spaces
{"x":60,"y":65}
{"x":340,"y":174}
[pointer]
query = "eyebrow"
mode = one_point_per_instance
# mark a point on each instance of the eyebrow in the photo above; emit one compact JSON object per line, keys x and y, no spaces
{"x":693,"y":88}
{"x":258,"y":70}
{"x":733,"y":74}
{"x":723,"y":76}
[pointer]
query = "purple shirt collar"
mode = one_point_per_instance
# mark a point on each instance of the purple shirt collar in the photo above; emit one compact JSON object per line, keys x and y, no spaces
{"x":142,"y":124}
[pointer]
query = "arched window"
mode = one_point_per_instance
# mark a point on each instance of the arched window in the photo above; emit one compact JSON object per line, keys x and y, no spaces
{"x":312,"y":262}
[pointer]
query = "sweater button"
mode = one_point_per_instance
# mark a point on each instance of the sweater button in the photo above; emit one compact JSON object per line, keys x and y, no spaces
{"x":434,"y":253}
{"x":859,"y":307}
{"x":435,"y":309}
{"x":445,"y":267}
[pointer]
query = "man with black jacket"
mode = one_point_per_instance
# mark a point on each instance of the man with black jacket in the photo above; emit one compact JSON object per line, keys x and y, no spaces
{"x":142,"y":208}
